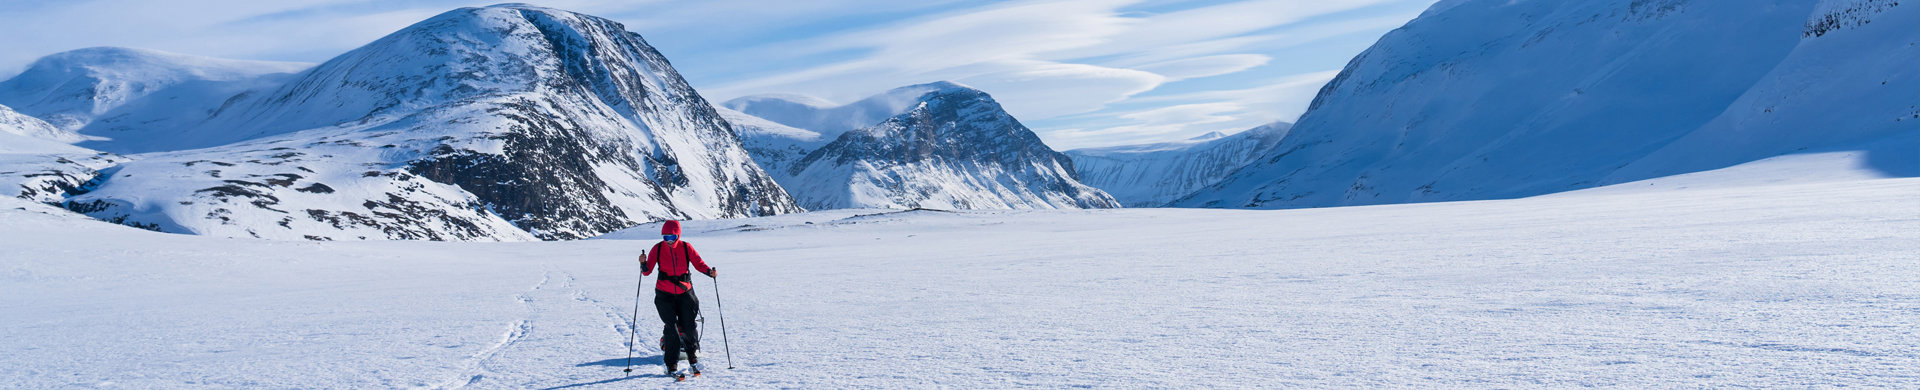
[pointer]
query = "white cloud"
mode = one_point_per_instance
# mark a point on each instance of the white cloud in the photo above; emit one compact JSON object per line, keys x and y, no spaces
{"x":994,"y":49}
{"x":52,"y":27}
{"x":1212,"y":23}
{"x":1027,"y":54}
{"x":1298,"y":88}
{"x":1196,"y":113}
{"x":741,"y":16}
{"x":977,"y":41}
{"x":1186,"y":113}
{"x":1208,"y":66}
{"x":1044,"y":90}
{"x":1155,"y":124}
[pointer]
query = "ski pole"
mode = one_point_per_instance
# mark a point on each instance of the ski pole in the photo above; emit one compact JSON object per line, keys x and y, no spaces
{"x":633,"y":328}
{"x":723,"y":322}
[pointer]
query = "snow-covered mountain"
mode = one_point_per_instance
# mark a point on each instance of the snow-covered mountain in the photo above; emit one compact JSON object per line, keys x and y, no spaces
{"x":953,"y":147}
{"x":811,"y":113}
{"x":135,"y":100}
{"x":774,"y":146}
{"x":1850,"y":83}
{"x":28,"y":127}
{"x":1479,"y":99}
{"x":507,"y":122}
{"x":37,"y":164}
{"x":780,"y":129}
{"x":1151,"y":175}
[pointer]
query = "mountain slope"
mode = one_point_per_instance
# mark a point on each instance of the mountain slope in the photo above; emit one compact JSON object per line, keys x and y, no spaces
{"x":1152,"y":175}
{"x":1480,"y":99}
{"x":507,"y":122}
{"x":1849,"y":84}
{"x":135,"y":100}
{"x":37,"y":164}
{"x":776,"y":147}
{"x":954,"y":149}
{"x":34,"y":133}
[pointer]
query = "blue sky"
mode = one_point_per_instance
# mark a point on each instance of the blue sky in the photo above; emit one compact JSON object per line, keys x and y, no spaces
{"x":1080,"y":73}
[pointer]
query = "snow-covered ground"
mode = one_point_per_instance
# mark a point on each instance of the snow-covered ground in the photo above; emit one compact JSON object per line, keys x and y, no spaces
{"x":1787,"y":285}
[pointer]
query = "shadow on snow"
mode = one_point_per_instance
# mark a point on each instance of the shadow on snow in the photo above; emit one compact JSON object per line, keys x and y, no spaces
{"x":621,"y":362}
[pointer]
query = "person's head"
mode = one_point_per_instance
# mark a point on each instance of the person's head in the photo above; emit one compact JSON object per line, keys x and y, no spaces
{"x":670,"y":231}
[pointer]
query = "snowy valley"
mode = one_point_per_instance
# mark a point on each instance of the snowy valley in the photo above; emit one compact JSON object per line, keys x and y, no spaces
{"x":1615,"y":193}
{"x":1768,"y":286}
{"x":1153,"y":175}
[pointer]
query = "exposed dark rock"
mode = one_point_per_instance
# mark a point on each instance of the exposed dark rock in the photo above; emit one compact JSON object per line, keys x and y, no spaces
{"x":316,"y":188}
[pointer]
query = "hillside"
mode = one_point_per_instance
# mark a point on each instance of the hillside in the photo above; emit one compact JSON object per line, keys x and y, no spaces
{"x":1543,"y":97}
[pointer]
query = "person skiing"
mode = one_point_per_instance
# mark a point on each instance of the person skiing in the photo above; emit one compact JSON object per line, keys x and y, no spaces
{"x":673,"y":296}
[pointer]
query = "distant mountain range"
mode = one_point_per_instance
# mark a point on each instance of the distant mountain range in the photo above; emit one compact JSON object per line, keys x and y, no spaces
{"x":516,"y":122}
{"x":134,"y":100}
{"x":508,"y":122}
{"x":1152,"y":175}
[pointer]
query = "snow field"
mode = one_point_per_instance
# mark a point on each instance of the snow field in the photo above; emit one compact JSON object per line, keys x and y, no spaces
{"x":1778,"y":286}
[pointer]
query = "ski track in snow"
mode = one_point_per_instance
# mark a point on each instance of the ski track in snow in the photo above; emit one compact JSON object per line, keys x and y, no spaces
{"x":477,"y":365}
{"x":1804,"y":285}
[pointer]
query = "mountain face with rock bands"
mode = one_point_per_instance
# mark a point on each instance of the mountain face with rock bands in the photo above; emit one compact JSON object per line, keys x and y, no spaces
{"x":1484,"y":99}
{"x":939,"y":145}
{"x":1152,"y":175}
{"x":508,"y":122}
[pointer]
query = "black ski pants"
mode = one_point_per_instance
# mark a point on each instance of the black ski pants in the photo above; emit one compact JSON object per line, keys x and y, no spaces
{"x":678,"y":312}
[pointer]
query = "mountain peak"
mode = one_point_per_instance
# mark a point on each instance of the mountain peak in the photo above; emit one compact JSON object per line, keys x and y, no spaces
{"x":831,"y":120}
{"x":899,"y":97}
{"x":464,"y":54}
{"x":779,"y":98}
{"x":124,"y":60}
{"x":507,"y":122}
{"x":937,"y":86}
{"x":71,"y":89}
{"x":519,"y":6}
{"x":942,"y":141}
{"x":102,"y":55}
{"x":1208,"y":136}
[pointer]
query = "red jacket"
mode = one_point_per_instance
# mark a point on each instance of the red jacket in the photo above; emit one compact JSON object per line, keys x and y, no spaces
{"x":673,"y":258}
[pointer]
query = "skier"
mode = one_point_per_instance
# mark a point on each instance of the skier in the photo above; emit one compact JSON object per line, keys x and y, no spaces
{"x":673,"y":296}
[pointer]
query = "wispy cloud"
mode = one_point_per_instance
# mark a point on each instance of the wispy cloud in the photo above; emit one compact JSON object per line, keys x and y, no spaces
{"x":1208,"y":66}
{"x":1185,"y":115}
{"x":1040,"y":59}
